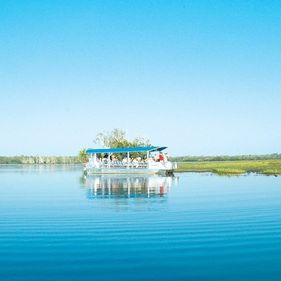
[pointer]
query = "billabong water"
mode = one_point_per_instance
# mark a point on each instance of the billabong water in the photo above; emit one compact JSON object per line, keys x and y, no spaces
{"x":57,"y":224}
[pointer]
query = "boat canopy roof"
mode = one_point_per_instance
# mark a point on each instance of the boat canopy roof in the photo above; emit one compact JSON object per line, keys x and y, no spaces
{"x":126,"y":149}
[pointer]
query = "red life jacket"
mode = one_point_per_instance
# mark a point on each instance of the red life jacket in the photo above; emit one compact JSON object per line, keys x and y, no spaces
{"x":161,"y":157}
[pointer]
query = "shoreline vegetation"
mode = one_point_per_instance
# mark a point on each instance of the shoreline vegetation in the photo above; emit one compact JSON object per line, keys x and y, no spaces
{"x":49,"y":160}
{"x":235,"y":167}
{"x":222,"y":165}
{"x":268,"y":164}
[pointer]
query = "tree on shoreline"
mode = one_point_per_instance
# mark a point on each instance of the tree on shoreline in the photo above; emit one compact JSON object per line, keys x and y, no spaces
{"x":115,"y":139}
{"x":83,"y":157}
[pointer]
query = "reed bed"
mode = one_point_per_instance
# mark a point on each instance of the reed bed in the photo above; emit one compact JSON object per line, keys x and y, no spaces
{"x":266,"y":167}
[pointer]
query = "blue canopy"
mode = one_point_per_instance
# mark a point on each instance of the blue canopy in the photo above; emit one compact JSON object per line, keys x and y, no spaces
{"x":126,"y":149}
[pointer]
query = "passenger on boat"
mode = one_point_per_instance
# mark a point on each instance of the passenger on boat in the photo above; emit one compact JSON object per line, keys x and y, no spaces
{"x":135,"y":162}
{"x":162,"y":157}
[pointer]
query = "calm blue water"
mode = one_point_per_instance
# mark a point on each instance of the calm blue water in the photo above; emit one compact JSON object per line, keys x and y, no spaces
{"x":57,"y":225}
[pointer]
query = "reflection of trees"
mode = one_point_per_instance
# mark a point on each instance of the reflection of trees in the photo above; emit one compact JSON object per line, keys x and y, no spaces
{"x":103,"y":186}
{"x":34,"y":168}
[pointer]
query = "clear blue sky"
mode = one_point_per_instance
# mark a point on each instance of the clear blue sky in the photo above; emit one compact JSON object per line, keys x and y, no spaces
{"x":202,"y":77}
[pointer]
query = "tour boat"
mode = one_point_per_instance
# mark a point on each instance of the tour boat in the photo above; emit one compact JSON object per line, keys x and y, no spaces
{"x":118,"y":161}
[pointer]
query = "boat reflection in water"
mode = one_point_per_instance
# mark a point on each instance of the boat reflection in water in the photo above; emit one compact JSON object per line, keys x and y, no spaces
{"x":127,"y":186}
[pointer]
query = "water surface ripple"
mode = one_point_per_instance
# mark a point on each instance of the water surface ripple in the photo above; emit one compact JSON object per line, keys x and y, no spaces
{"x":56,"y":224}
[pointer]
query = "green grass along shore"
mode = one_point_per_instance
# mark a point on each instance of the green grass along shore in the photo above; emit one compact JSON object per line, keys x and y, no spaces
{"x":235,"y":167}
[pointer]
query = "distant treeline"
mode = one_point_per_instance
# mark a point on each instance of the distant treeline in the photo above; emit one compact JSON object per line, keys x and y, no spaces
{"x":39,"y":160}
{"x":226,"y":158}
{"x":78,"y":159}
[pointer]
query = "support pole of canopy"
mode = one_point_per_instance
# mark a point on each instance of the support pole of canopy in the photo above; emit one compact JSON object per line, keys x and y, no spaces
{"x":128,"y":158}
